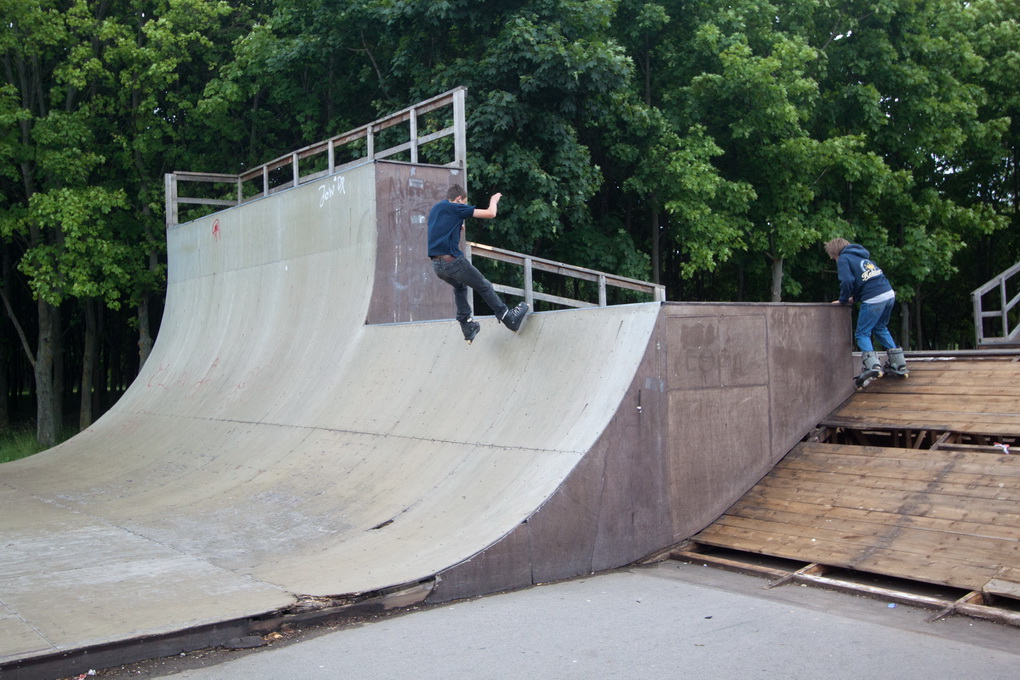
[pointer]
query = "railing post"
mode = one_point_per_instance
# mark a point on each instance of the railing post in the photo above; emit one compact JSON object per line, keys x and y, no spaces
{"x":1002,"y":315}
{"x":170,"y":188}
{"x":413,"y":123}
{"x":1004,"y":306}
{"x":602,"y":290}
{"x":979,"y":324}
{"x":529,"y":293}
{"x":459,"y":129}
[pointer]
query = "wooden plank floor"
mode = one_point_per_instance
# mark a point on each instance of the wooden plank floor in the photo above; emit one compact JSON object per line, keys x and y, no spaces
{"x":943,"y":516}
{"x":977,"y":397}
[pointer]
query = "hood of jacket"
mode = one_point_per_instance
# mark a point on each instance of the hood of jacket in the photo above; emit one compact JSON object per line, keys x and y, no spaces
{"x":856,"y":250}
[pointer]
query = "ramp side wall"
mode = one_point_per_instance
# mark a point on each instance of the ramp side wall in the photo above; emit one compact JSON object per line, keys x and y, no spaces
{"x":723,"y":391}
{"x":745,"y":383}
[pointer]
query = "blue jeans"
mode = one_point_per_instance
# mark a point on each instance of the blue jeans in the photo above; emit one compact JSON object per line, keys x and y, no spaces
{"x":874,"y":318}
{"x":463,"y":275}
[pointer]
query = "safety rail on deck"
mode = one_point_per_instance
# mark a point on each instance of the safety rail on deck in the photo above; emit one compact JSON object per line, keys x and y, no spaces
{"x":530,"y":264}
{"x":323,"y":155}
{"x":1004,"y":316}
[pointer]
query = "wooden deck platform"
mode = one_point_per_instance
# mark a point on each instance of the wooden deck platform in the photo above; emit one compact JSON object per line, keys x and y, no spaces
{"x":914,"y":479}
{"x":974,"y":401}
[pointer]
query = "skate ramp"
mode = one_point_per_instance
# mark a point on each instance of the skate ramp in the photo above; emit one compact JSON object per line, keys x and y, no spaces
{"x":275,"y":448}
{"x":274,"y":445}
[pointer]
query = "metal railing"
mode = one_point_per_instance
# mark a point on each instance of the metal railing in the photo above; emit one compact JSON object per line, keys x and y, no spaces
{"x":323,"y":155}
{"x":531,"y":264}
{"x":1006,"y":316}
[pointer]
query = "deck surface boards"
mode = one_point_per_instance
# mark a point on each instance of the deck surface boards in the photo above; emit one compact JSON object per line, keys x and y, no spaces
{"x":939,"y":515}
{"x":981,"y":397}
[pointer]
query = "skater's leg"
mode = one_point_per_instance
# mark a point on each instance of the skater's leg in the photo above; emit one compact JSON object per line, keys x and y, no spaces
{"x":466,"y":273}
{"x":461,"y":295}
{"x":867,"y":318}
{"x":881,"y":329}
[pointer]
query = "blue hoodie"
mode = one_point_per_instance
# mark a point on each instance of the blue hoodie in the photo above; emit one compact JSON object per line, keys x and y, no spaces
{"x":859,"y":277}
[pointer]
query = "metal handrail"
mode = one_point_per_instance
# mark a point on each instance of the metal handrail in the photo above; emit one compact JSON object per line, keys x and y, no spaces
{"x":1010,"y":334}
{"x":455,"y":98}
{"x":531,"y":263}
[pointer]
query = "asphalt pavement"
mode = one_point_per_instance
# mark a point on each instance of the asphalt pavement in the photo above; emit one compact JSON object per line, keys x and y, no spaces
{"x":667,"y":620}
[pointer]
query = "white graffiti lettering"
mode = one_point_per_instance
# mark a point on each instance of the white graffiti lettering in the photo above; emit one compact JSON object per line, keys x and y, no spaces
{"x":331,"y":189}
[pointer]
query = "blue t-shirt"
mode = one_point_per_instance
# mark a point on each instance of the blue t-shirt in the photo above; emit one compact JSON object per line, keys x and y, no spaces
{"x":445,"y":221}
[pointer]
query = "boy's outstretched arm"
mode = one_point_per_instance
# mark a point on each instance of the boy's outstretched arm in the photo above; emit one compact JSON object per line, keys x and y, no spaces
{"x":490,"y":212}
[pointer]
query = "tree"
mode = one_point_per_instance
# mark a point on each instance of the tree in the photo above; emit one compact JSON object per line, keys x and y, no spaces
{"x":93,"y":94}
{"x":906,"y":77}
{"x":541,"y":75}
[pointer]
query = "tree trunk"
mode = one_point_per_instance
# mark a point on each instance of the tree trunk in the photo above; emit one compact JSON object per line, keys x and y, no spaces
{"x":905,"y":323}
{"x":5,"y":378}
{"x":5,"y":390}
{"x":46,"y":424}
{"x":88,"y":364}
{"x":777,"y":279}
{"x":58,"y":372}
{"x":655,"y":241}
{"x":144,"y":327}
{"x":144,"y":332}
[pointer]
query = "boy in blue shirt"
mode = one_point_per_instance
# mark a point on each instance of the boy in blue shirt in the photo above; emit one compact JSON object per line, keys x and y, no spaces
{"x":446,"y":225}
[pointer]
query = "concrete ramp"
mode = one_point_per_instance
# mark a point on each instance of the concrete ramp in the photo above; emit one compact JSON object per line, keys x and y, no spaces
{"x":277,"y":448}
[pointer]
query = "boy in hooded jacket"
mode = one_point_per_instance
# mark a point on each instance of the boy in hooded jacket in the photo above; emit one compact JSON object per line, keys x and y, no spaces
{"x":861,"y":280}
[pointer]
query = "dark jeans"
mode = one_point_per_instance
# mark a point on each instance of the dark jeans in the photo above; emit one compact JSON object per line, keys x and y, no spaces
{"x":462,"y":275}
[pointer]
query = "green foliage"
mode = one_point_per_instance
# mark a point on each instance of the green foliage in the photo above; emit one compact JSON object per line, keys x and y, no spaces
{"x":851,"y":119}
{"x":759,"y":129}
{"x":20,"y":442}
{"x":89,"y":261}
{"x":708,"y":211}
{"x":708,"y":145}
{"x":16,"y":443}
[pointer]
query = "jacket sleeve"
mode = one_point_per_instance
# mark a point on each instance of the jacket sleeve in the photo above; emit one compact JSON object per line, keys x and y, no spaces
{"x":846,"y":279}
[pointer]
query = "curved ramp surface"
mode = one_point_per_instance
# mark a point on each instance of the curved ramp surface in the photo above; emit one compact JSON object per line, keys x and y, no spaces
{"x":277,"y":447}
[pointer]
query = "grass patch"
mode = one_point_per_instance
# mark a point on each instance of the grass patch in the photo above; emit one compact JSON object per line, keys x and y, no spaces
{"x":20,"y":442}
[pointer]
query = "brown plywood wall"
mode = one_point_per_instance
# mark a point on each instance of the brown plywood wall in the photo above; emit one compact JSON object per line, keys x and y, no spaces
{"x":746,"y":383}
{"x":405,"y":287}
{"x":723,"y":392}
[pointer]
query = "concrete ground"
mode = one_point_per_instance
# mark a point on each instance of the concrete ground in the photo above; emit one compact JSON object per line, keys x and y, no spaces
{"x":665,"y":620}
